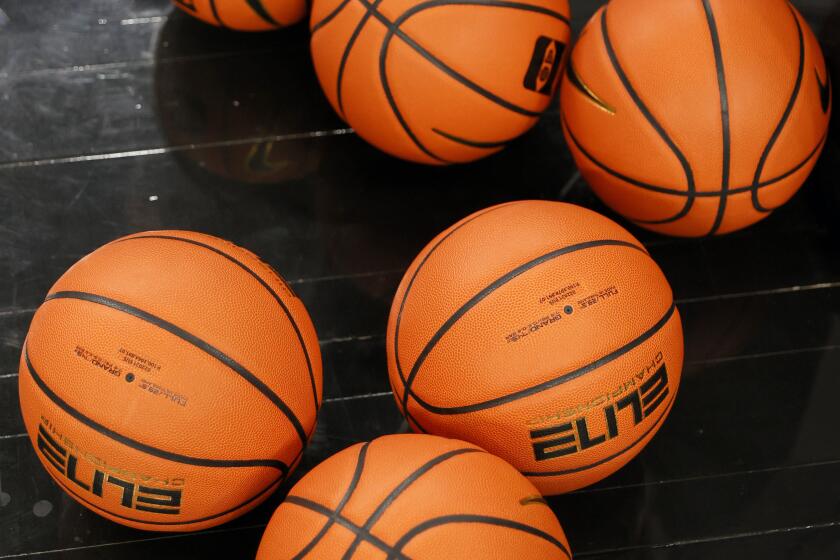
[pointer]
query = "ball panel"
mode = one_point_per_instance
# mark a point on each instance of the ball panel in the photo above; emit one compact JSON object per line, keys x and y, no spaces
{"x":679,"y":82}
{"x":479,"y":538}
{"x":337,"y":479}
{"x":389,"y":463}
{"x":201,"y":304}
{"x":466,"y":476}
{"x":614,"y":132}
{"x":432,"y":98}
{"x":329,"y":42}
{"x":526,"y":333}
{"x":246,"y":15}
{"x":808,"y":122}
{"x":545,"y":432}
{"x":758,"y":94}
{"x":291,"y":530}
{"x":450,"y":482}
{"x":635,"y":202}
{"x":478,"y":264}
{"x":118,"y":481}
{"x":777,"y":194}
{"x":497,"y":66}
{"x":189,"y":401}
{"x":438,"y":109}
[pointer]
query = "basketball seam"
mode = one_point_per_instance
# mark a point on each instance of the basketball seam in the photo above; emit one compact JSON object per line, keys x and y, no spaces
{"x":675,"y":192}
{"x":344,"y":522}
{"x":263,"y":283}
{"x":426,"y":257}
{"x":626,"y":179}
{"x":492,"y":287}
{"x":262,"y":12}
{"x":614,"y":455}
{"x":329,"y":17}
{"x":660,"y":130}
{"x":724,"y":115}
{"x":400,"y":488}
{"x":207,"y":348}
{"x":551,"y":383}
{"x":354,"y":482}
{"x":216,"y":15}
{"x":785,"y":116}
{"x":370,"y":9}
{"x":478,"y":519}
{"x":394,"y":29}
{"x":472,"y":143}
{"x":139,"y":446}
{"x":276,"y":482}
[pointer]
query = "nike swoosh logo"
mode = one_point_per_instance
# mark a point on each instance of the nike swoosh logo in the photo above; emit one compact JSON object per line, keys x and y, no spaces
{"x":825,"y":90}
{"x":579,"y":84}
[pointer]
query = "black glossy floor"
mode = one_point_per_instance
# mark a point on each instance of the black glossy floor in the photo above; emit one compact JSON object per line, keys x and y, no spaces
{"x":121,"y":116}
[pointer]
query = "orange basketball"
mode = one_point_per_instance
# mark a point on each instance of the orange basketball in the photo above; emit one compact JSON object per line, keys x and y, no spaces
{"x":542,"y":332}
{"x":246,"y":15}
{"x":413,"y":496}
{"x":170,"y":381}
{"x":696,"y":117}
{"x":439,"y":81}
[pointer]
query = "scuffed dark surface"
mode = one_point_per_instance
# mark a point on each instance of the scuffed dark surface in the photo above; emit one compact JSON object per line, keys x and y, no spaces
{"x":117,"y":117}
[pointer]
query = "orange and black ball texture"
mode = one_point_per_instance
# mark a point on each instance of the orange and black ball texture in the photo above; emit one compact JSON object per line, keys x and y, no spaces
{"x":696,"y":117}
{"x":439,"y":81}
{"x":542,"y":332}
{"x":246,"y":15}
{"x":413,"y":496}
{"x":170,"y":381}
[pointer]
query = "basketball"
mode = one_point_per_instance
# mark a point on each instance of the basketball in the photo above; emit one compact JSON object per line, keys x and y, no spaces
{"x":692,"y":117}
{"x":246,"y":15}
{"x":439,"y":82}
{"x":413,"y":496}
{"x":170,"y":381}
{"x":542,"y":332}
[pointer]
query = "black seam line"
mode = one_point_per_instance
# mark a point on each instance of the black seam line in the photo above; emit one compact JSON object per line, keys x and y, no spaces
{"x":169,"y":523}
{"x":495,"y":285}
{"x":347,"y":524}
{"x":260,"y":10}
{"x":689,"y":174}
{"x":614,"y":455}
{"x":393,"y":29}
{"x":472,"y":143}
{"x":483,"y":520}
{"x":134,"y":444}
{"x":405,"y":413}
{"x":369,"y":10}
{"x":724,"y":116}
{"x":263,"y":283}
{"x":561,"y":379}
{"x":401,"y":487}
{"x":785,"y":116}
{"x":215,"y":11}
{"x":699,"y":194}
{"x":329,"y":17}
{"x":627,"y":179}
{"x":354,"y":482}
{"x":454,"y":228}
{"x":195,"y":341}
{"x":389,"y":95}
